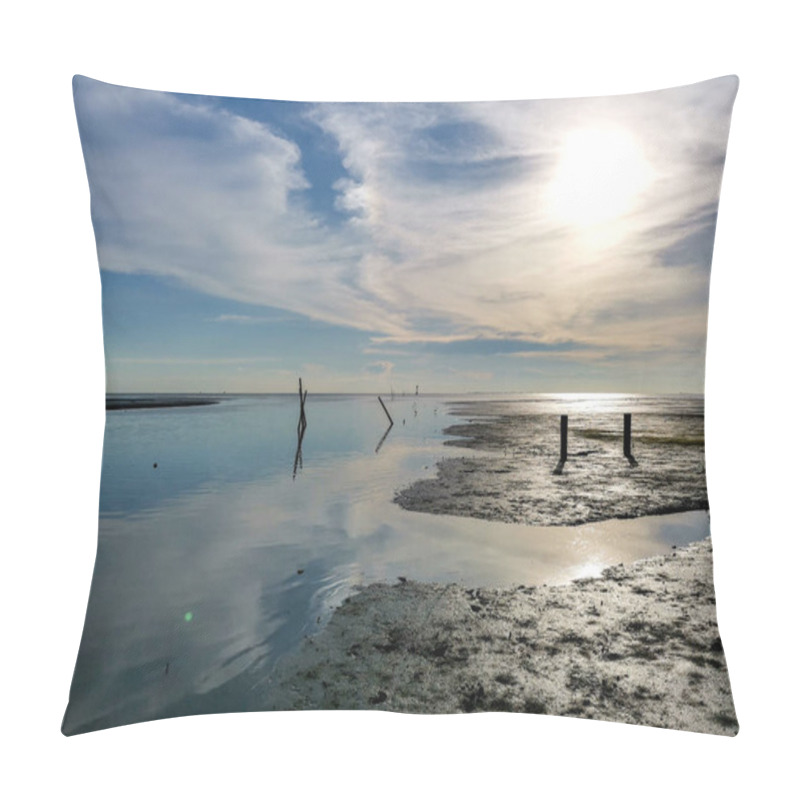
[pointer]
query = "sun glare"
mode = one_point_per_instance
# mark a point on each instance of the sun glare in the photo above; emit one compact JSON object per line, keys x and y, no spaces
{"x":600,"y":174}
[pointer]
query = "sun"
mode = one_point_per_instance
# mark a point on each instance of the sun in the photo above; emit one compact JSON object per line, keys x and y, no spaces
{"x":601,"y":172}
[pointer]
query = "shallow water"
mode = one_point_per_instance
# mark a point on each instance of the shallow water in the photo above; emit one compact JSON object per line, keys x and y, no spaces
{"x":215,"y":558}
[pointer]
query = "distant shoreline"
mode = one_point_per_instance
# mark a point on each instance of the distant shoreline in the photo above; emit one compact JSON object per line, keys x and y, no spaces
{"x":181,"y":401}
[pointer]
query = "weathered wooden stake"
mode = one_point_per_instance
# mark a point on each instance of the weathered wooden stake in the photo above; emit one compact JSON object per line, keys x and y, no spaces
{"x":626,"y":444}
{"x":301,"y":423}
{"x":626,"y":441}
{"x":563,"y":460}
{"x":391,"y":421}
{"x":301,"y":429}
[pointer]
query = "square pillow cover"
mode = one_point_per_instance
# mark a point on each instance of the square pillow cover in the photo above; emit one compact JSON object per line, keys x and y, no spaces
{"x":404,"y":407}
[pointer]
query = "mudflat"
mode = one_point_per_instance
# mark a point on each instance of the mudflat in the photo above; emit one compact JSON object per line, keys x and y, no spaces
{"x":506,"y":472}
{"x":638,"y":645}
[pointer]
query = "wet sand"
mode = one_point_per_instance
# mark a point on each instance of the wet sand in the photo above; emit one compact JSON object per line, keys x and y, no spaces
{"x":638,"y":645}
{"x":509,"y":474}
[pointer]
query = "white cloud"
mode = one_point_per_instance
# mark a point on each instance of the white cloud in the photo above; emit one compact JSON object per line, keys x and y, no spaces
{"x":196,"y":193}
{"x":174,"y":361}
{"x":488,"y":255}
{"x":448,"y":233}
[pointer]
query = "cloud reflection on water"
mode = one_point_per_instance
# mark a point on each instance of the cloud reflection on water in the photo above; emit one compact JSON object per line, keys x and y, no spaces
{"x":261,"y":563}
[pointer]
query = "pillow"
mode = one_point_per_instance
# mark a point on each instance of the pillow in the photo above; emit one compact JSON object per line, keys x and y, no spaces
{"x":404,"y":407}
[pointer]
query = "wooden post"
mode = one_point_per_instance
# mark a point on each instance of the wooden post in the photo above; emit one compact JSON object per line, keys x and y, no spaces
{"x":626,"y":444}
{"x":301,"y":422}
{"x":300,"y":418}
{"x":301,"y":429}
{"x":563,"y":460}
{"x":626,"y":441}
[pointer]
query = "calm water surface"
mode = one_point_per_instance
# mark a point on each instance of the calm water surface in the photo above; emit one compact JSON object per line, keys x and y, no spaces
{"x":216,"y":557}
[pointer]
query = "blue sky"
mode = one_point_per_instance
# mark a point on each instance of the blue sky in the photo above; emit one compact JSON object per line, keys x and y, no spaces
{"x":517,"y":246}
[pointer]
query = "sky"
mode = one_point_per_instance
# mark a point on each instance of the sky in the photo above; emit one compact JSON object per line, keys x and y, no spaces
{"x":515,"y":246}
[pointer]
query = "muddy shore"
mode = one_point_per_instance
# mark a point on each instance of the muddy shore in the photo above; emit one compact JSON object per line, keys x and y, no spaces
{"x":638,"y":645}
{"x":507,"y":474}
